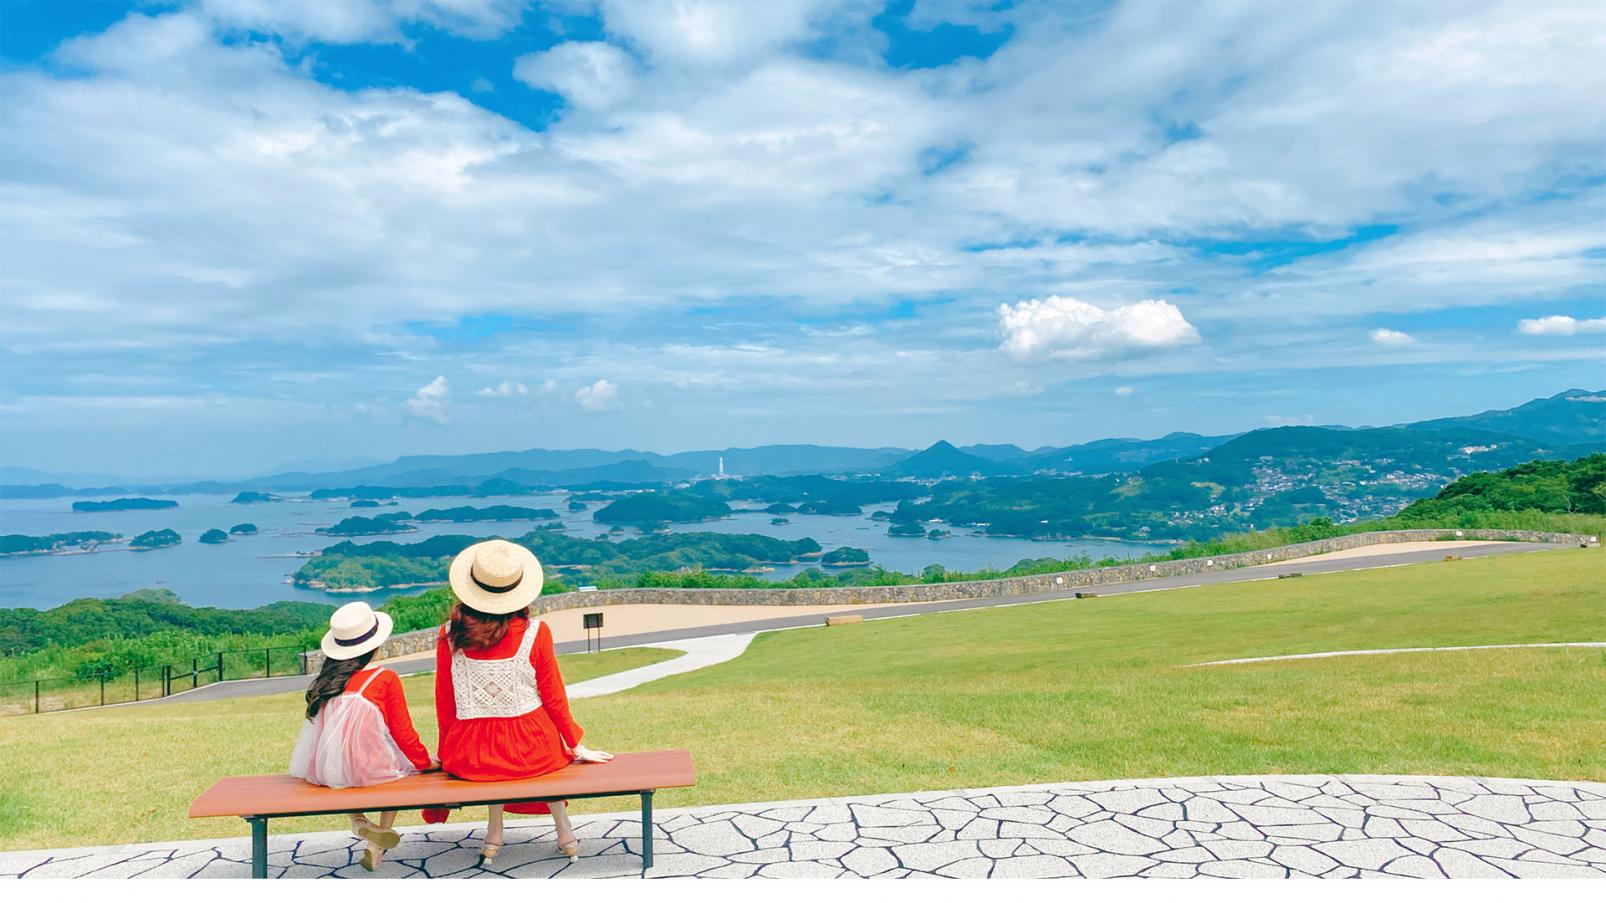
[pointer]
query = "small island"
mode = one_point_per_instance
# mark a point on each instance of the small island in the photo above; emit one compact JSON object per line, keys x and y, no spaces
{"x":371,"y":526}
{"x":576,"y":505}
{"x":251,"y":498}
{"x":845,"y":557}
{"x":243,"y":530}
{"x":780,"y":508}
{"x":214,"y":537}
{"x":938,"y":534}
{"x":831,"y":507}
{"x":128,"y":504}
{"x":20,"y":544}
{"x":155,"y":539}
{"x":668,"y":507}
{"x":365,"y":503}
{"x":778,"y":521}
{"x":913,"y":530}
{"x":466,"y":514}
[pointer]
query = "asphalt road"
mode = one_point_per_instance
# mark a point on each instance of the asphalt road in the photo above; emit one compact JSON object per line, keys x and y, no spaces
{"x":260,"y":687}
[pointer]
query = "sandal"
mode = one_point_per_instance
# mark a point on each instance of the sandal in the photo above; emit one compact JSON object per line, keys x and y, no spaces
{"x":488,"y":852}
{"x":571,"y":849}
{"x":371,"y":856}
{"x":383,"y":838}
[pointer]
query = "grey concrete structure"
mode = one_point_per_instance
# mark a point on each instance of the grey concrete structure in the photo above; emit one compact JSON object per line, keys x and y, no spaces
{"x":1278,"y":826}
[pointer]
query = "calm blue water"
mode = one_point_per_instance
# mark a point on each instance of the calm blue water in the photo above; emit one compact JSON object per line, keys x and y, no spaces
{"x":255,"y":570}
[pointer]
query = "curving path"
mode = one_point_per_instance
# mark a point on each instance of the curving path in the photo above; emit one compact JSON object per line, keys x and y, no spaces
{"x":1229,"y":827}
{"x":1342,"y":653}
{"x":1319,"y":564}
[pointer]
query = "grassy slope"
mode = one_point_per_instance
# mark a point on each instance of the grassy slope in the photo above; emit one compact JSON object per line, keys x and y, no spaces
{"x":1052,"y":692}
{"x":129,"y":773}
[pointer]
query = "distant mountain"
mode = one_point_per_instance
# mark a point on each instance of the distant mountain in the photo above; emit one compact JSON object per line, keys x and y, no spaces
{"x":619,"y":472}
{"x":942,"y":459}
{"x":1573,"y":417}
{"x":995,"y":452}
{"x":1122,"y":455}
{"x":781,"y":460}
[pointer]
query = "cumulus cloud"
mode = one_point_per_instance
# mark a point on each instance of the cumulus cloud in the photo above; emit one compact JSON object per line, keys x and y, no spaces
{"x":1561,"y":325}
{"x":504,"y":390}
{"x":601,"y":395}
{"x":429,"y":402}
{"x":352,"y":21}
{"x":710,"y":32}
{"x":1071,"y":329}
{"x":586,"y":73}
{"x":1392,"y":337}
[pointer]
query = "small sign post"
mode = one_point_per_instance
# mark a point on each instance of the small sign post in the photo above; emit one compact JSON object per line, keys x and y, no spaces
{"x":593,"y":621}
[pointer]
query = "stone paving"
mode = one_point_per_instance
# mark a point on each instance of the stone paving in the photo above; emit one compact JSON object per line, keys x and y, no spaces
{"x":1233,"y":827}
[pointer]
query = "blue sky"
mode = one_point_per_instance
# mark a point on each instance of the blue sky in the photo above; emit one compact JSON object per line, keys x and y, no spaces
{"x":241,"y":232}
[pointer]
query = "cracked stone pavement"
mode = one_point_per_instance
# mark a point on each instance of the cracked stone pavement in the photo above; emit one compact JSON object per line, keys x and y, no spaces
{"x":1229,"y":827}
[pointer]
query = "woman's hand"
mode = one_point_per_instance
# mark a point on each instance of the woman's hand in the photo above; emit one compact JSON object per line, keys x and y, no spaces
{"x":591,"y":756}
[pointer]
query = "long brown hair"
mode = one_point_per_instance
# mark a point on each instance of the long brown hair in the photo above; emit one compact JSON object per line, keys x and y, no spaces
{"x":469,"y":629}
{"x":331,"y":680}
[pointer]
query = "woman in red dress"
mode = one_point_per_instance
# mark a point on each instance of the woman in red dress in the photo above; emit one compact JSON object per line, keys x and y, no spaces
{"x":499,"y":697}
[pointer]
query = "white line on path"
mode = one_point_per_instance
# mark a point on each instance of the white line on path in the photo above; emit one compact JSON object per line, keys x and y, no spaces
{"x":700,"y":653}
{"x":1289,"y":658}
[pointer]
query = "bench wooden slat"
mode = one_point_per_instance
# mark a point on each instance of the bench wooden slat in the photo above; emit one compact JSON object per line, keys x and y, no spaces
{"x":281,"y":795}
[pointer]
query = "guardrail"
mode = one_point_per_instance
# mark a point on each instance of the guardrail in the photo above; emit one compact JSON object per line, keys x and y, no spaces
{"x":55,"y":694}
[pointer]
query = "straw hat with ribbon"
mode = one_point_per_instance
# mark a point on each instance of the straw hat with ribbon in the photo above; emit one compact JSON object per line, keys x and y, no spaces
{"x":354,"y":629}
{"x":496,"y":577}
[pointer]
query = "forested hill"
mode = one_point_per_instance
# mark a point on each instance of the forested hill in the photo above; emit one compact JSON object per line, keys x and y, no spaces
{"x":1563,"y":487}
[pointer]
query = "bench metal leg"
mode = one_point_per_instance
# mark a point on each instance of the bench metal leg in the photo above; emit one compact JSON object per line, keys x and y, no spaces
{"x":646,"y":829}
{"x":259,"y":847}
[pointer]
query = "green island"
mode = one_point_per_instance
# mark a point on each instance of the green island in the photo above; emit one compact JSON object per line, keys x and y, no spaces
{"x":910,"y":529}
{"x":830,"y":495}
{"x":250,"y":497}
{"x":846,"y":556}
{"x":468,"y":513}
{"x":351,"y":566}
{"x":371,"y":526}
{"x":668,"y":507}
{"x":125,"y":504}
{"x":155,"y":539}
{"x":86,"y":540}
{"x":243,"y":530}
{"x":214,"y":537}
{"x":491,"y":487}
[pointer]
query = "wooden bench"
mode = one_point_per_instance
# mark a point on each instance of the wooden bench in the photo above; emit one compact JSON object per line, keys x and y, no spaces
{"x":259,"y":798}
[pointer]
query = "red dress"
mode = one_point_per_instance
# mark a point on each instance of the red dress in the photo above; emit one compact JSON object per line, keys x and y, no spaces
{"x":385,"y":692}
{"x":501,"y":749}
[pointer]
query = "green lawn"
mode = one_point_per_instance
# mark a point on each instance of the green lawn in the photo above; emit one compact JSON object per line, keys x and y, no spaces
{"x":1074,"y":690}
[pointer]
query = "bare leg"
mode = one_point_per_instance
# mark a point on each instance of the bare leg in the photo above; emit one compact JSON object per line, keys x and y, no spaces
{"x":560,"y":820}
{"x":567,"y":843}
{"x":493,"y":826}
{"x":386,"y":819}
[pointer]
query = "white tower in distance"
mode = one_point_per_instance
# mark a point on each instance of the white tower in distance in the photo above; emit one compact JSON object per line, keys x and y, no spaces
{"x":721,"y":474}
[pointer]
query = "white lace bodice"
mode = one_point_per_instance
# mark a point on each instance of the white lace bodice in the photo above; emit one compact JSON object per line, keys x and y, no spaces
{"x":497,"y":687}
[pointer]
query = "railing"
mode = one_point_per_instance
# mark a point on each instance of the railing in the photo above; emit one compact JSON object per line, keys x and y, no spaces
{"x":55,"y":694}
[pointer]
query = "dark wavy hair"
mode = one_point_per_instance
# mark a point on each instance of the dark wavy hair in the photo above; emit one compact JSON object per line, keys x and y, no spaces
{"x":331,"y":680}
{"x":470,"y":629}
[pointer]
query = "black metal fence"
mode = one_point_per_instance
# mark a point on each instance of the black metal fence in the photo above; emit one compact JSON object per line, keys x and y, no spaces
{"x":54,"y":694}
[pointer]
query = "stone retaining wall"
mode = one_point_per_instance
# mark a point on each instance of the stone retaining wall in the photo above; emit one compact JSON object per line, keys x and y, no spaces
{"x":423,"y":640}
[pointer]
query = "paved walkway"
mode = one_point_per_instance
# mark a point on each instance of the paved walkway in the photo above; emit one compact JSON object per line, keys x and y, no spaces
{"x":700,"y":653}
{"x":1237,"y":827}
{"x":1383,"y":557}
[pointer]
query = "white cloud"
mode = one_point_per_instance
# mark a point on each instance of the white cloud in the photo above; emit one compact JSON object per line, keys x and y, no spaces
{"x":1392,"y":337}
{"x":601,"y":395}
{"x":504,"y":390}
{"x":587,"y":73}
{"x":429,"y":402}
{"x":1068,"y":328}
{"x":353,"y":21}
{"x":1560,"y":325}
{"x":710,"y":32}
{"x":1123,"y":391}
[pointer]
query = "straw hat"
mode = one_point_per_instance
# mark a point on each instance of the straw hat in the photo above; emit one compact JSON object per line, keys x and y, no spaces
{"x":496,"y":577}
{"x":354,"y":629}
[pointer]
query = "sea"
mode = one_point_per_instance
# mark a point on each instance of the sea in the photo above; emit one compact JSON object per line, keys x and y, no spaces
{"x":254,"y":570}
